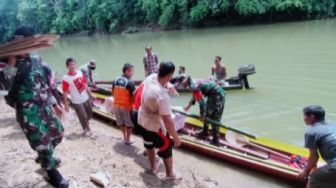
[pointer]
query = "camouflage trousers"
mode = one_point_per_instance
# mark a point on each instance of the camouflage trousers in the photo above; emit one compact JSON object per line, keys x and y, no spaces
{"x":43,"y":130}
{"x":214,"y":110}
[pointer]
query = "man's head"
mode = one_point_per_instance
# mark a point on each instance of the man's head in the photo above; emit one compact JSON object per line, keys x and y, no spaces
{"x":181,"y":70}
{"x":70,"y":64}
{"x":92,"y":64}
{"x":23,"y":31}
{"x":166,"y":71}
{"x":148,"y":50}
{"x":313,"y":114}
{"x":218,"y":59}
{"x":128,"y":69}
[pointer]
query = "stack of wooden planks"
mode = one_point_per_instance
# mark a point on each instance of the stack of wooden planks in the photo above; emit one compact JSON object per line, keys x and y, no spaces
{"x":26,"y":45}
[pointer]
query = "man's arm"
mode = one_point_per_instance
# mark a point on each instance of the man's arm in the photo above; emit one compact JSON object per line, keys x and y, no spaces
{"x":145,"y":65}
{"x":169,"y":125}
{"x":212,"y":73}
{"x":65,"y":98}
{"x":312,"y":161}
{"x":65,"y":89}
{"x":224,"y":70}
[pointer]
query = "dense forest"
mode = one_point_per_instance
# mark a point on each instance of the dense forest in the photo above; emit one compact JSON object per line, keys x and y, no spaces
{"x":113,"y":16}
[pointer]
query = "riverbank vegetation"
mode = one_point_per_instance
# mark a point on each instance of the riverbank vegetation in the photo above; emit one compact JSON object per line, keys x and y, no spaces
{"x":113,"y":16}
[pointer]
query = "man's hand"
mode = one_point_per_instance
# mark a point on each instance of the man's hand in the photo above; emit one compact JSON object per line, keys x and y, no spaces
{"x":172,"y":91}
{"x":66,"y":108}
{"x":177,"y":141}
{"x":303,"y":174}
{"x":58,"y":110}
{"x":186,"y":108}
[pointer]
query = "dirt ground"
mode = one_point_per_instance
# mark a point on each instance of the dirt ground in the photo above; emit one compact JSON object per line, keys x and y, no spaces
{"x":126,"y":166}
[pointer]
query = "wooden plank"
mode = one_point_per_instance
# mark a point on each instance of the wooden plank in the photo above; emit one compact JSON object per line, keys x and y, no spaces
{"x":22,"y":47}
{"x":270,"y":151}
{"x":26,"y":50}
{"x":18,"y":41}
{"x":224,"y":144}
{"x":27,"y":43}
{"x":245,"y":150}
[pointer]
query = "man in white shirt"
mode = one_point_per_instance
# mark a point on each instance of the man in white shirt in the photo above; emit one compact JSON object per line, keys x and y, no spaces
{"x":75,"y":84}
{"x":154,"y":117}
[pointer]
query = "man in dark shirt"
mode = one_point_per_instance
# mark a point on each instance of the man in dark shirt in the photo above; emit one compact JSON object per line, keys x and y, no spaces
{"x":320,"y":138}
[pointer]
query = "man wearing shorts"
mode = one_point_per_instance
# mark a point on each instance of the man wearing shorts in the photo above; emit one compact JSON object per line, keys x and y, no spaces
{"x":154,"y":117}
{"x":320,"y":138}
{"x":75,"y":84}
{"x":122,"y":90}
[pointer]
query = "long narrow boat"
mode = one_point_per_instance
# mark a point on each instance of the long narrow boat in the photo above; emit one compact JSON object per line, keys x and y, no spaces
{"x":265,"y":155}
{"x":234,"y":83}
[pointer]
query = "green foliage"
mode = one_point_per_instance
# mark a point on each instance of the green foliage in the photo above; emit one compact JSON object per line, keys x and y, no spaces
{"x":291,"y":5}
{"x":253,"y":7}
{"x":199,"y":12}
{"x":220,"y":7}
{"x":8,"y":20}
{"x":322,"y":8}
{"x":168,"y":8}
{"x":71,"y":16}
{"x":151,"y":10}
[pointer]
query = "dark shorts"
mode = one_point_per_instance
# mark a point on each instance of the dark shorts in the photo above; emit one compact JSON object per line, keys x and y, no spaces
{"x":138,"y":129}
{"x":160,"y":141}
{"x":323,"y":177}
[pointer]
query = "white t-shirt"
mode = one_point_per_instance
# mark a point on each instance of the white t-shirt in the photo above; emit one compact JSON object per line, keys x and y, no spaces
{"x":76,"y":86}
{"x":155,"y":102}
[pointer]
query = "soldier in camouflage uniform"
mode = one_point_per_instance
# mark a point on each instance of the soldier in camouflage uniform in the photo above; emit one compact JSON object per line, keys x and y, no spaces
{"x":212,"y":108}
{"x":35,"y":105}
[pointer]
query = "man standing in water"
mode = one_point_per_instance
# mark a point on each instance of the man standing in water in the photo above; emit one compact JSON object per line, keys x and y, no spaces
{"x":319,"y":138}
{"x":35,"y":106}
{"x":150,"y":61}
{"x":212,"y":108}
{"x":122,"y":91}
{"x":218,"y":71}
{"x":154,"y":117}
{"x":74,"y":82}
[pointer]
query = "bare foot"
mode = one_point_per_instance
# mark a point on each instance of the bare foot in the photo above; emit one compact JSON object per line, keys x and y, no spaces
{"x":174,"y":177}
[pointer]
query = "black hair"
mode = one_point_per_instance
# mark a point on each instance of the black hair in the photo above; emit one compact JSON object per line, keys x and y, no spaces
{"x":69,"y":60}
{"x":21,"y":32}
{"x":25,"y":31}
{"x":315,"y":110}
{"x":126,"y":67}
{"x":182,"y":67}
{"x":166,"y":68}
{"x":218,"y":57}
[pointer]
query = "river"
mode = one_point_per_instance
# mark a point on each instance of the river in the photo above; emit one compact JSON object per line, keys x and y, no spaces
{"x":295,"y":65}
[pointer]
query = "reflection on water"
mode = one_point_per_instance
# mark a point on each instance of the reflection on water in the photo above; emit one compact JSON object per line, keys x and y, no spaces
{"x":295,"y":65}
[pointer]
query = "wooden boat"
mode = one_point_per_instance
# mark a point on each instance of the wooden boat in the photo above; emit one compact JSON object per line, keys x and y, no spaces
{"x":234,"y":83}
{"x":261,"y":154}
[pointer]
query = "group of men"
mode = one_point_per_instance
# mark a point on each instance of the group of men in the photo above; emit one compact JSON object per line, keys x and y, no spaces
{"x":38,"y":114}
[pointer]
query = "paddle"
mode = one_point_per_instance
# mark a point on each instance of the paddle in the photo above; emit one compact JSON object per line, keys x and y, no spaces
{"x":240,"y":140}
{"x":215,"y":123}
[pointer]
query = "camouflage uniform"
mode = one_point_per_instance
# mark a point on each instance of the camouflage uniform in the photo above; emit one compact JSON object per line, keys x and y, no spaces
{"x":31,"y":96}
{"x":214,"y":105}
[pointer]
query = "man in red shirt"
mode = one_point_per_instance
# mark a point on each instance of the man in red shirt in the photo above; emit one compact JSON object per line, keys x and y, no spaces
{"x":75,"y":84}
